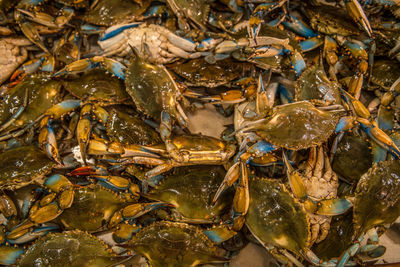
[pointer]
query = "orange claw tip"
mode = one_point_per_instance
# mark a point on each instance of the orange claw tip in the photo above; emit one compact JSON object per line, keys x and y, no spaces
{"x":82,"y":171}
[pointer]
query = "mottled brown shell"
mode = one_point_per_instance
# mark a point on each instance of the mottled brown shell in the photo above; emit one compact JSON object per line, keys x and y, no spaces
{"x":377,"y":199}
{"x":22,"y":166}
{"x":151,"y":88}
{"x":111,"y":12}
{"x":314,"y":84}
{"x":43,"y":93}
{"x":198,"y":72}
{"x":124,"y":126}
{"x":297,"y":126}
{"x":174,"y":244}
{"x":275,"y":217}
{"x":385,"y":73}
{"x":70,"y":248}
{"x":99,"y":87}
{"x":92,"y":208}
{"x":194,"y":203}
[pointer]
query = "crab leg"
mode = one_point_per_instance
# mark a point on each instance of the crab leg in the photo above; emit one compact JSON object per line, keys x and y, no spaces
{"x":47,"y":138}
{"x":327,"y":207}
{"x":111,"y":65}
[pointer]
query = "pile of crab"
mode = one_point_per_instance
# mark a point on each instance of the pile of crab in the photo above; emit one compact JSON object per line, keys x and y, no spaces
{"x":97,"y":97}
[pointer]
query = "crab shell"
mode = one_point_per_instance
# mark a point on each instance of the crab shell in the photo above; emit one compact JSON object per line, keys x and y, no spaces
{"x":275,"y":217}
{"x":314,"y":84}
{"x":124,"y":126}
{"x":385,"y":73}
{"x":329,"y":20}
{"x":111,"y":12}
{"x":194,"y":203}
{"x":195,"y":10}
{"x":151,"y":88}
{"x":297,"y":126}
{"x":69,"y":248}
{"x":22,"y":166}
{"x":43,"y":93}
{"x":92,"y":208}
{"x":98,"y":86}
{"x":174,"y":244}
{"x":377,"y":199}
{"x":352,"y":158}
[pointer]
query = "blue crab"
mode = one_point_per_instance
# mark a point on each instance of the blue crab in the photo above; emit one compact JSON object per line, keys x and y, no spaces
{"x":376,"y":203}
{"x":82,"y":249}
{"x":174,"y":244}
{"x":157,"y":43}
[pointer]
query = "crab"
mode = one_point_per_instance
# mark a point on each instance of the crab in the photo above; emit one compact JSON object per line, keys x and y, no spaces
{"x":181,"y":150}
{"x":20,"y":167}
{"x":104,"y":90}
{"x":14,"y":54}
{"x":160,"y":45}
{"x":280,"y":223}
{"x":376,"y":204}
{"x":174,"y":244}
{"x":196,"y":11}
{"x":198,"y":72}
{"x":96,"y":208}
{"x":125,"y":126}
{"x":266,"y":43}
{"x":74,"y":248}
{"x":108,"y":13}
{"x":24,"y":104}
{"x":352,"y":158}
{"x":340,"y":31}
{"x":193,"y":204}
{"x":314,"y":85}
{"x":153,"y":90}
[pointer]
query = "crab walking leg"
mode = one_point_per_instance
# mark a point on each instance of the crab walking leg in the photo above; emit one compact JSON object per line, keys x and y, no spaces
{"x":327,"y":207}
{"x":111,"y":65}
{"x":47,"y":139}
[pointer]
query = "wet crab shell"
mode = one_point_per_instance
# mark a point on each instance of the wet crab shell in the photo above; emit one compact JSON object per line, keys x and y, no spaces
{"x":69,"y":248}
{"x":352,"y":158}
{"x":198,"y":72}
{"x":275,"y":217}
{"x":151,"y":87}
{"x":22,"y":166}
{"x":111,"y":12}
{"x":194,"y":203}
{"x":126,"y":127}
{"x":195,"y":10}
{"x":385,"y":73}
{"x":314,"y":84}
{"x":92,"y":208}
{"x":99,"y":87}
{"x":297,"y":126}
{"x":43,"y":93}
{"x":174,"y":244}
{"x":330,"y":20}
{"x":377,"y":199}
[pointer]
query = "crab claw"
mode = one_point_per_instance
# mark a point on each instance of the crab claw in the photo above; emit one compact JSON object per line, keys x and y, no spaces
{"x":32,"y":34}
{"x":220,"y":233}
{"x":357,"y":13}
{"x":134,"y":211}
{"x":48,"y":142}
{"x":297,"y":26}
{"x":379,"y":136}
{"x":111,"y":65}
{"x":9,"y":254}
{"x":17,"y":237}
